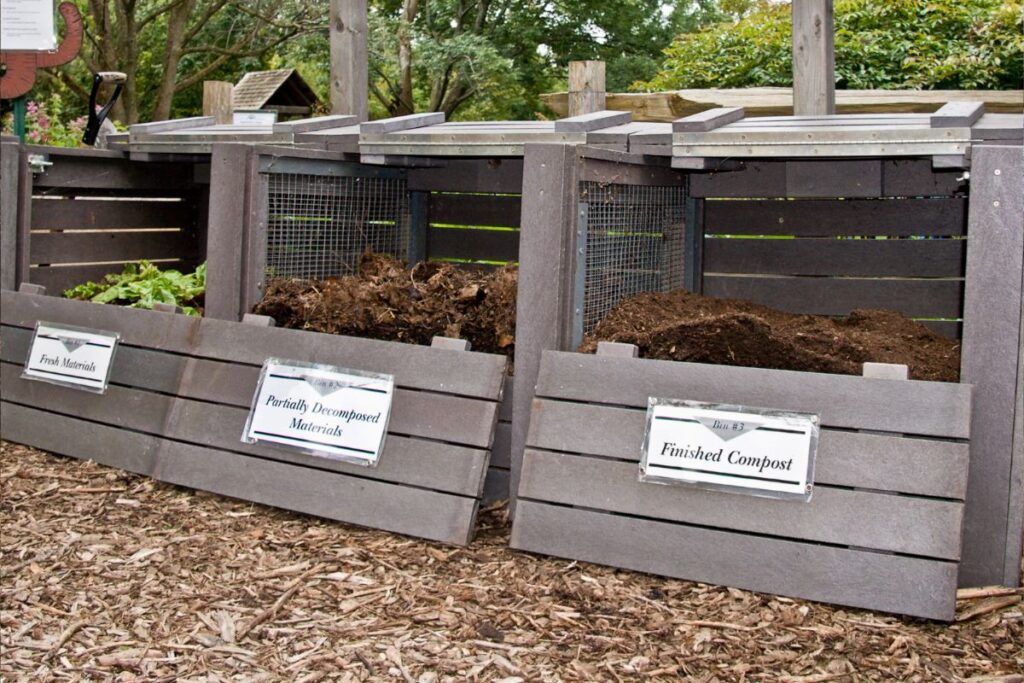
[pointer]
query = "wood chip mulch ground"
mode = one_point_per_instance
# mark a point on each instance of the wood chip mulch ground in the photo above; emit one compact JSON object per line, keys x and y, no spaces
{"x":108,"y":576}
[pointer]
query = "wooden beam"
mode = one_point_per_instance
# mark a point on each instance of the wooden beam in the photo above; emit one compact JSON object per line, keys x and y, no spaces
{"x":707,"y":120}
{"x":218,"y":100}
{"x":586,"y":87}
{"x":597,"y":120}
{"x":349,"y":58}
{"x":814,"y":80}
{"x":957,"y":115}
{"x":674,"y":104}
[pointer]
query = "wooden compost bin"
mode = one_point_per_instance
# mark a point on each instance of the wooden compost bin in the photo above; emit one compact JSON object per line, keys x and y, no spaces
{"x":79,"y":214}
{"x":180,"y":392}
{"x":464,"y":212}
{"x":958,"y":264}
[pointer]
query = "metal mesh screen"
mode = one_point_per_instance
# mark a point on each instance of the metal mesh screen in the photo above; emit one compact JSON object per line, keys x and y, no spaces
{"x":635,"y":238}
{"x":318,"y":226}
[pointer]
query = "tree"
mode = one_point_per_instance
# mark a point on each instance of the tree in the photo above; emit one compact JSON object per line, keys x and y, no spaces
{"x":929,"y":44}
{"x":167,"y":46}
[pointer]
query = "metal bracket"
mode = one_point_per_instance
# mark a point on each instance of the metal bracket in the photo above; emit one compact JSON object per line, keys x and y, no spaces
{"x":580,"y":272}
{"x":38,"y":163}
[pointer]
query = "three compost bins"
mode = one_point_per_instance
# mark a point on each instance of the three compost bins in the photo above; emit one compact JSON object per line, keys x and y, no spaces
{"x":918,"y":487}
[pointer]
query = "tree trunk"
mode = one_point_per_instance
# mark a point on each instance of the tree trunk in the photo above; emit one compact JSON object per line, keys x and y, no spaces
{"x":177,"y":21}
{"x":405,"y":103}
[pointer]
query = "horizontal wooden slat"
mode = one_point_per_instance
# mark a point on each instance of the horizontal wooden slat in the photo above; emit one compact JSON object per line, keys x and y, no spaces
{"x":57,"y":247}
{"x":475,"y":209}
{"x":838,"y":296}
{"x":476,"y":245}
{"x":845,"y":257}
{"x":402,"y":509}
{"x":58,"y":278}
{"x":404,"y":460}
{"x":110,"y":214}
{"x":929,"y":528}
{"x":893,"y":583}
{"x":74,"y":173}
{"x":916,"y":178}
{"x":464,"y":175}
{"x":837,"y":217}
{"x":884,"y":462}
{"x":843,"y":401}
{"x":417,"y":367}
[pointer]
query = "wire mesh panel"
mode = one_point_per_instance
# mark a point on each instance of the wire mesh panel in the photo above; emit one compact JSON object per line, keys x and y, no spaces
{"x":634,"y":242}
{"x":318,"y":226}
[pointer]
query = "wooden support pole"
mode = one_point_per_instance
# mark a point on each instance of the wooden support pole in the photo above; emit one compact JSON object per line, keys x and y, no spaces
{"x":814,"y":81}
{"x":586,"y":87}
{"x":219,"y":101}
{"x":349,"y":58}
{"x":10,"y":157}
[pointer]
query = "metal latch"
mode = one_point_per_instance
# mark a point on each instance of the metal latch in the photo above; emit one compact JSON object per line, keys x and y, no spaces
{"x":37,"y":163}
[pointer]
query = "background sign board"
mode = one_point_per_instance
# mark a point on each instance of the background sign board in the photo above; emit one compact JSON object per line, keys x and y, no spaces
{"x":322,"y":410}
{"x":734,"y":448}
{"x":71,"y":356}
{"x":255,"y":117}
{"x":27,"y":25}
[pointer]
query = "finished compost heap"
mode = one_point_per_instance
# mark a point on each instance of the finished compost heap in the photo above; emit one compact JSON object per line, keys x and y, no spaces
{"x":683,"y":326}
{"x":387,"y":300}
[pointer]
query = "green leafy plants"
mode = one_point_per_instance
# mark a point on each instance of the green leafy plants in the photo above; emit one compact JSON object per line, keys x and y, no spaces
{"x":142,"y":284}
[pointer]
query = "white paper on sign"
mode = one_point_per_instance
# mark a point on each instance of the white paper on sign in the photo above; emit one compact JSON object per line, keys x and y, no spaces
{"x":732,"y":448}
{"x":71,"y":356}
{"x":27,"y":25}
{"x":322,"y":410}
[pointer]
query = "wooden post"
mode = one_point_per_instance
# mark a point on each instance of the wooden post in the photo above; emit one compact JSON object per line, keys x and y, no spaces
{"x":10,"y":157}
{"x":586,"y":87}
{"x":218,"y":100}
{"x":349,"y":58}
{"x":814,"y":81}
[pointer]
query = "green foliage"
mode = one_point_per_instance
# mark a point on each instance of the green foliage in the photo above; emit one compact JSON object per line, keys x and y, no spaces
{"x":926,"y":44}
{"x":142,"y":284}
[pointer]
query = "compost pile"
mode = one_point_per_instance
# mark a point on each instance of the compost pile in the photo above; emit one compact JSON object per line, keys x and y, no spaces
{"x":683,"y":326}
{"x":387,"y":300}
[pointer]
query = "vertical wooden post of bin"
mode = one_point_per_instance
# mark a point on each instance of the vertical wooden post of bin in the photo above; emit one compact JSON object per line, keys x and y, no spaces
{"x":814,"y":81}
{"x":546,"y":259}
{"x":349,"y":58}
{"x":9,"y":158}
{"x":218,"y":101}
{"x":991,"y":362}
{"x":225,"y":255}
{"x":586,"y":87}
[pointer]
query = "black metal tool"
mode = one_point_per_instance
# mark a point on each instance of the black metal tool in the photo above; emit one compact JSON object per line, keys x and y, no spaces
{"x":96,"y":118}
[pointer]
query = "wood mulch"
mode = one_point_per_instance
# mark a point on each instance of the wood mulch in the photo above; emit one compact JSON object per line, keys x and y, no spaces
{"x":112,"y":576}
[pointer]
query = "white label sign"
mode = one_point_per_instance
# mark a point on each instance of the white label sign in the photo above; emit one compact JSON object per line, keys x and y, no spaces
{"x":27,"y":25}
{"x":257,"y":117}
{"x":323,"y":410}
{"x":734,"y":448}
{"x":71,"y":356}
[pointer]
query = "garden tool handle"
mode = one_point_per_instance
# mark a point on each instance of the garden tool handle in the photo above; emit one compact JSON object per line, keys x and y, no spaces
{"x":96,"y":118}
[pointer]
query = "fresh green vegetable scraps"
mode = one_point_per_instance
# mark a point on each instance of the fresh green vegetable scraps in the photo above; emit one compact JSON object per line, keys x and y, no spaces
{"x":142,"y":284}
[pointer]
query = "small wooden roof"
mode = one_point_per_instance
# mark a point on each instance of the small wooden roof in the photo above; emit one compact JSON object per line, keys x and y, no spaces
{"x":279,"y":87}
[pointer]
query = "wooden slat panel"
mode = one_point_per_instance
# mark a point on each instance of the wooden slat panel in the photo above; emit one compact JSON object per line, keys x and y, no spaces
{"x":109,"y":214}
{"x":415,"y":413}
{"x":477,"y":245}
{"x":843,"y":401}
{"x":410,"y":461}
{"x":79,"y":172}
{"x":839,"y":296}
{"x":916,"y":178}
{"x":418,"y":367}
{"x":866,"y":258}
{"x":417,"y":512}
{"x":834,"y":178}
{"x":832,"y":217}
{"x":871,"y":580}
{"x":57,"y":279}
{"x":475,"y":209}
{"x":927,"y":527}
{"x":56,"y":247}
{"x":900,"y":464}
{"x":757,"y":179}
